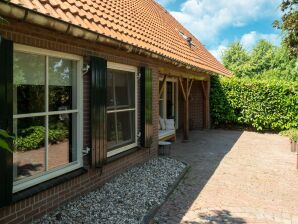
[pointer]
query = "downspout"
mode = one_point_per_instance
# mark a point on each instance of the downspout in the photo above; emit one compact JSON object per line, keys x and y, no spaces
{"x":30,"y":16}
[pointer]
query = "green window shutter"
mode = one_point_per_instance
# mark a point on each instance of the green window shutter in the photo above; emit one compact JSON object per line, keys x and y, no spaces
{"x":146,"y":107}
{"x":98,"y":109}
{"x":6,"y":110}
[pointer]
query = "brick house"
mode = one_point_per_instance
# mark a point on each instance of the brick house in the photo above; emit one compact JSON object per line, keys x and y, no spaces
{"x":83,"y":85}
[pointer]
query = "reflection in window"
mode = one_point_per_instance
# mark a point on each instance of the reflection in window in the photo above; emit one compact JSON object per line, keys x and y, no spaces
{"x":121,"y":108}
{"x":60,"y":83}
{"x":60,"y":132}
{"x":29,"y":83}
{"x":29,"y":158}
{"x":43,"y":141}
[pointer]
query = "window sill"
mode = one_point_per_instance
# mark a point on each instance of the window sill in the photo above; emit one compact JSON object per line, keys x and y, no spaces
{"x":123,"y":154}
{"x":46,"y":185}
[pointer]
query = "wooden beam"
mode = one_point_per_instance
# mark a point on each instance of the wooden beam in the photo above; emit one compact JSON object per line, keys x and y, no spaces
{"x":188,"y":93}
{"x":203,"y":88}
{"x":177,"y":73}
{"x":186,"y":114}
{"x":163,"y":84}
{"x":182,"y":89}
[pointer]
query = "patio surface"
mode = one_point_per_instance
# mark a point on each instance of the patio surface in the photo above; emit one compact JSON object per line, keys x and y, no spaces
{"x":235,"y":177}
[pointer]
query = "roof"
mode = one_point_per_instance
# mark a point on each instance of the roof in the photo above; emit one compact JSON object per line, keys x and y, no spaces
{"x":141,"y":23}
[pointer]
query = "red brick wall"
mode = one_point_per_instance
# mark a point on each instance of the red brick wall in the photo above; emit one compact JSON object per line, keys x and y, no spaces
{"x":31,"y":208}
{"x":196,"y":106}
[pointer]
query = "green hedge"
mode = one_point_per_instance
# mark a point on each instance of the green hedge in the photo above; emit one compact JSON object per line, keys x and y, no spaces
{"x":262,"y":104}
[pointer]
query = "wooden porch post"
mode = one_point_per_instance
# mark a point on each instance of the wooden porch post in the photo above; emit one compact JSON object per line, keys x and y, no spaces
{"x":186,"y":88}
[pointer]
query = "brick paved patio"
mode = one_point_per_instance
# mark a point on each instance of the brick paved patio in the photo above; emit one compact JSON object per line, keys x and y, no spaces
{"x":236,"y":177}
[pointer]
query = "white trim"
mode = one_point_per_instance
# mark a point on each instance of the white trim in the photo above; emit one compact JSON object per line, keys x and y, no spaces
{"x":45,"y":113}
{"x":128,"y":68}
{"x":47,"y":116}
{"x":175,"y":96}
{"x":121,"y":149}
{"x":26,"y":182}
{"x":122,"y":67}
{"x":42,"y":177}
{"x":45,"y":52}
{"x":118,"y":111}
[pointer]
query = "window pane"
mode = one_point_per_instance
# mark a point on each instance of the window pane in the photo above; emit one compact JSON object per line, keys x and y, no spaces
{"x":29,"y":158}
{"x":110,"y":89}
{"x":170,"y":101}
{"x":126,"y":127}
{"x":60,"y":143}
{"x":61,"y":78}
{"x":124,"y":84}
{"x":29,"y":83}
{"x":111,"y":129}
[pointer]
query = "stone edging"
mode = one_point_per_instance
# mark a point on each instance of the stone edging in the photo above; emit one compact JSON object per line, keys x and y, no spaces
{"x":150,"y":215}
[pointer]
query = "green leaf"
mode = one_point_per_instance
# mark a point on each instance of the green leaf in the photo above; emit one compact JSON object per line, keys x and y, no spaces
{"x":4,"y":134}
{"x":4,"y":145}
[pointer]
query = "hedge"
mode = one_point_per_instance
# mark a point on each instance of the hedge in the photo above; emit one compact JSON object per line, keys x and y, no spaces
{"x":261,"y":104}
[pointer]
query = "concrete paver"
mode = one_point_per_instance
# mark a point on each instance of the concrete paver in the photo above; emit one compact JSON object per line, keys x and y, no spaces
{"x":235,"y":177}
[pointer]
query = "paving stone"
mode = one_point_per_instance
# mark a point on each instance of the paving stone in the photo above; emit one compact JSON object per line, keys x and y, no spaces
{"x":236,"y":177}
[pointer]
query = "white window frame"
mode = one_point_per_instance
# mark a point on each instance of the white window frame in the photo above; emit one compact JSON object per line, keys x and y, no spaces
{"x":128,"y":68}
{"x":58,"y":171}
{"x":175,"y":96}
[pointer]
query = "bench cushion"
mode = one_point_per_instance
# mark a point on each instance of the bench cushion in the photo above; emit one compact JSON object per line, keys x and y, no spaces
{"x":166,"y":133}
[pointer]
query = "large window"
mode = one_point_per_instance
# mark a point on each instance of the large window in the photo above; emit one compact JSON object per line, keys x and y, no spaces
{"x":47,"y":115}
{"x":121,"y":108}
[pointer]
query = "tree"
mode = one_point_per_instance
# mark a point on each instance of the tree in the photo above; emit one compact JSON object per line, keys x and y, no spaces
{"x":261,"y":57}
{"x":235,"y":58}
{"x":289,"y":25}
{"x":265,"y":61}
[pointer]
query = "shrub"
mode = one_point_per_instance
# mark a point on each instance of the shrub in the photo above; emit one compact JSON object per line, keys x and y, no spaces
{"x":33,"y":137}
{"x":262,"y":104}
{"x":292,"y":134}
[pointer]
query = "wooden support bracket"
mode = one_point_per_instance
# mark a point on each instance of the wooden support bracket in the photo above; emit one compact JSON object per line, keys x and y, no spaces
{"x":182,"y":89}
{"x":163,"y":84}
{"x":188,"y":93}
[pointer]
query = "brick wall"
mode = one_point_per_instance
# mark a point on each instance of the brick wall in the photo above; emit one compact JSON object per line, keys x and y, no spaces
{"x":196,"y":107}
{"x":31,"y":208}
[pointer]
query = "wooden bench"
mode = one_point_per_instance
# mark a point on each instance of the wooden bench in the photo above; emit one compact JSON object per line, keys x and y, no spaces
{"x":164,"y":135}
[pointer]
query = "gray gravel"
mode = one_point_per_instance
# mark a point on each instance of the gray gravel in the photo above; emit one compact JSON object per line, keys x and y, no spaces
{"x":127,"y":198}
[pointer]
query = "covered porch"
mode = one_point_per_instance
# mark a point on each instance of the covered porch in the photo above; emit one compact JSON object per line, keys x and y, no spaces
{"x":184,"y":101}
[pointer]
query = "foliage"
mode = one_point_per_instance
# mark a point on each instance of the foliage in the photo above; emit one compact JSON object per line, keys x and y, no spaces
{"x":265,"y":61}
{"x":235,"y":58}
{"x":262,"y":104}
{"x":291,"y":133}
{"x":5,"y":140}
{"x":33,"y":137}
{"x":289,"y":25}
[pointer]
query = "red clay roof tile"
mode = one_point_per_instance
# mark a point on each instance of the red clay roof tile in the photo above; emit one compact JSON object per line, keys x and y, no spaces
{"x":143,"y":23}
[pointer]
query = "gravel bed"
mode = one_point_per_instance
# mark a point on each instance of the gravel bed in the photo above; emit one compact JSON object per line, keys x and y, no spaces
{"x":127,"y":198}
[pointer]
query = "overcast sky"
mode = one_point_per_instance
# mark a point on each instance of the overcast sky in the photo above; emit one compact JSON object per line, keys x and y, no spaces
{"x":216,"y":23}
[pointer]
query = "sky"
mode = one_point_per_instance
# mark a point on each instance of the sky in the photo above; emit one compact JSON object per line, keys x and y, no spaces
{"x":217,"y":23}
